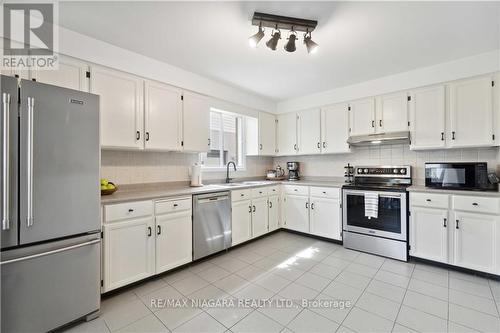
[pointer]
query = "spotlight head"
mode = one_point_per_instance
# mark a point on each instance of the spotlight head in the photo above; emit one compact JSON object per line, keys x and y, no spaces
{"x":311,"y":46}
{"x":255,"y":39}
{"x":290,"y":45}
{"x":273,"y":42}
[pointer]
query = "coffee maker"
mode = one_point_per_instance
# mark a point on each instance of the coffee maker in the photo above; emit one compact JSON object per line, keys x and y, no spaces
{"x":293,"y":170}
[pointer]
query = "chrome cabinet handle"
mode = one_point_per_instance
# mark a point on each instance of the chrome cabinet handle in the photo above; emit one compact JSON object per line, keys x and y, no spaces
{"x":444,"y":222}
{"x":5,"y":162}
{"x":29,"y":178}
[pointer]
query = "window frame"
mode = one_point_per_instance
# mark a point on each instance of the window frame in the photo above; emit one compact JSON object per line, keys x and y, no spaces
{"x":242,"y":143}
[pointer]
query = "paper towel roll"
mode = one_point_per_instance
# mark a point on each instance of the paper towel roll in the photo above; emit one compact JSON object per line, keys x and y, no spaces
{"x":196,"y":175}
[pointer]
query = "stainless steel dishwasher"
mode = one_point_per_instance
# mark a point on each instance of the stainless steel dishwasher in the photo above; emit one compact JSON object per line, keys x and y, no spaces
{"x":211,"y":223}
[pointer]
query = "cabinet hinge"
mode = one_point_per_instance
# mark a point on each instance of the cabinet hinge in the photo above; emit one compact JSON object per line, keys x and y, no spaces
{"x":409,"y":98}
{"x":102,"y":283}
{"x":182,"y":97}
{"x":102,"y":234}
{"x":492,"y":83}
{"x":87,"y":74}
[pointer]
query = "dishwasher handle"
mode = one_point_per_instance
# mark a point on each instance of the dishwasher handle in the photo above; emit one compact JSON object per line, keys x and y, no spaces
{"x":212,"y":197}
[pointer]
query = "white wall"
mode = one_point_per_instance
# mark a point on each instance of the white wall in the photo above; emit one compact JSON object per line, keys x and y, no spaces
{"x":333,"y":165}
{"x":89,"y":49}
{"x":453,"y":70}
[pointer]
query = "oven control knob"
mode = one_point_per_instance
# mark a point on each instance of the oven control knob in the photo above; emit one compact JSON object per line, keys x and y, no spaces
{"x":395,"y":171}
{"x":365,"y":170}
{"x":403,"y":171}
{"x":360,"y":170}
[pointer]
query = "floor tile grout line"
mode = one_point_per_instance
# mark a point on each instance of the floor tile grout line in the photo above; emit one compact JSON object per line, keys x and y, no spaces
{"x":494,"y":299}
{"x":402,"y":301}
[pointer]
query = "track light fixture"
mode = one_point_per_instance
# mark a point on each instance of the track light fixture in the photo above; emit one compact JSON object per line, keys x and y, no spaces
{"x":255,"y":39}
{"x":279,"y":23}
{"x":311,"y":46}
{"x":273,"y":42}
{"x":290,"y":45}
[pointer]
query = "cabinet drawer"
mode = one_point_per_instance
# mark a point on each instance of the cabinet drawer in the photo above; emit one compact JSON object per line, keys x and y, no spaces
{"x":172,"y":205}
{"x":297,"y":190}
{"x":127,"y":210}
{"x":429,"y":200}
{"x":273,"y":190}
{"x":476,"y":204}
{"x":259,"y":192}
{"x":325,"y":192}
{"x":237,"y":195}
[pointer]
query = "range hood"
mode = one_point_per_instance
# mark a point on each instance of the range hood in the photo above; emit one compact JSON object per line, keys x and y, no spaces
{"x":392,"y":138}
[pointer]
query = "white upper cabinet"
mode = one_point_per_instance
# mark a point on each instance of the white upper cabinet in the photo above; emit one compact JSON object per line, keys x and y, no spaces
{"x":309,"y":129}
{"x":392,"y":113}
{"x":267,"y":134}
{"x":163,"y":117}
{"x":252,"y":136}
{"x":196,"y":123}
{"x":287,"y":134}
{"x":427,"y":118}
{"x":471,"y":112}
{"x":335,"y":129}
{"x":121,"y":107}
{"x":71,"y":74}
{"x":362,"y":117}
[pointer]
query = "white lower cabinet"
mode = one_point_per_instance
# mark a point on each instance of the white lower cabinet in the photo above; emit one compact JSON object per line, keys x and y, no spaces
{"x":274,"y":212}
{"x":128,"y":252}
{"x":429,"y":233}
{"x":260,"y":217}
{"x":241,"y":219}
{"x":476,"y":243}
{"x":296,"y":210}
{"x":326,"y":220}
{"x":174,"y":236}
{"x":456,"y":236}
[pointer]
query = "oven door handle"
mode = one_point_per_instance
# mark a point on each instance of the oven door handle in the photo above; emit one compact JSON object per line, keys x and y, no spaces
{"x":393,"y":196}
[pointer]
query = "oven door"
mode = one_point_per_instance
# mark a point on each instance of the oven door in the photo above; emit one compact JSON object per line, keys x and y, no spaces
{"x":392,"y":214}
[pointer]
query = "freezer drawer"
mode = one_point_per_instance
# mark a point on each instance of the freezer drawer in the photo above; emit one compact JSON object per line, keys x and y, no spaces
{"x":49,"y":285}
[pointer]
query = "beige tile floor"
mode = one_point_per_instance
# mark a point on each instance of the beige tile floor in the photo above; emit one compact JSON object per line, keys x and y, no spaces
{"x":385,"y":295}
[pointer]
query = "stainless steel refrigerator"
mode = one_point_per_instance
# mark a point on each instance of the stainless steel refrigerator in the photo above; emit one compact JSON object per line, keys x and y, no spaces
{"x":50,"y":198}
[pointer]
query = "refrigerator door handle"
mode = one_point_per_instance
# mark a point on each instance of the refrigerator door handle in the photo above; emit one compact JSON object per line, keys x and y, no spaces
{"x":5,"y":161}
{"x":63,"y":249}
{"x":29,"y":176}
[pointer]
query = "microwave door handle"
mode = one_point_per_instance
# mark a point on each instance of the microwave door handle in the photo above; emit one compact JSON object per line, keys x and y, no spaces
{"x":5,"y":161}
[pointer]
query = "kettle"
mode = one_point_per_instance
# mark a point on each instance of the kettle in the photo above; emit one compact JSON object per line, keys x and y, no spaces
{"x":279,"y":171}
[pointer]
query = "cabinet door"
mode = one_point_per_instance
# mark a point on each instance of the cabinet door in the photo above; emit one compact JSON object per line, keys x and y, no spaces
{"x":260,"y":217}
{"x":23,"y":74}
{"x":429,"y":233}
{"x":392,"y":113}
{"x":196,"y":123}
{"x":241,"y":220}
{"x":326,"y":218}
{"x":273,"y":212}
{"x":287,"y":134}
{"x":163,"y":107}
{"x":267,"y":134}
{"x":362,"y":117}
{"x":296,"y":210}
{"x":71,"y":74}
{"x":476,"y":246}
{"x":252,"y":136}
{"x":121,"y":107}
{"x":309,"y":129}
{"x":335,"y":129}
{"x":471,"y":112}
{"x":128,"y":252}
{"x":426,"y":104}
{"x":174,"y":245}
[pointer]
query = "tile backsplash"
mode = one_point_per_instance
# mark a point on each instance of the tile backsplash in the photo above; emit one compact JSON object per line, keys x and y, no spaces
{"x":333,"y":165}
{"x":130,"y":167}
{"x":133,"y":167}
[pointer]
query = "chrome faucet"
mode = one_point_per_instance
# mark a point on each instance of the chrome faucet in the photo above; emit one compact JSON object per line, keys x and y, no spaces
{"x":228,"y":180}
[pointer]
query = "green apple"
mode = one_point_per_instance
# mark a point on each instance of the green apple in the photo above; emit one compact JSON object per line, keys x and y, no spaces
{"x":104,"y":181}
{"x":104,"y":187}
{"x":110,"y":187}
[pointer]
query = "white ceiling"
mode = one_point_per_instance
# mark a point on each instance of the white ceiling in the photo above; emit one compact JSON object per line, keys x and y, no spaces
{"x":359,"y":41}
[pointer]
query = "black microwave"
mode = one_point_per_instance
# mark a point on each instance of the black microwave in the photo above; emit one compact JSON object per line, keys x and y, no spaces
{"x":472,"y":176}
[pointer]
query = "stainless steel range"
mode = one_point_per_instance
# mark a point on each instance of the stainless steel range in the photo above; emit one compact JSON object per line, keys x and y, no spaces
{"x":382,"y":227}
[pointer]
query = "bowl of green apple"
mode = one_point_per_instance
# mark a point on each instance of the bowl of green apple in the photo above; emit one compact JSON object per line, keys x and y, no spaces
{"x":107,"y":187}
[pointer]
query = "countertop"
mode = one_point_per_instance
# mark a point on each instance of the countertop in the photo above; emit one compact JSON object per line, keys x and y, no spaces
{"x":421,"y":188}
{"x":175,"y":189}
